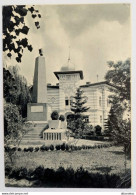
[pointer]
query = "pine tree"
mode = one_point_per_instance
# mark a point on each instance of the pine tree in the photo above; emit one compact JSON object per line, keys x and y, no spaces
{"x":78,"y":108}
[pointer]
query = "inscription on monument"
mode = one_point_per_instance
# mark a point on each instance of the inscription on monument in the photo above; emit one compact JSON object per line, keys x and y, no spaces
{"x":36,"y":108}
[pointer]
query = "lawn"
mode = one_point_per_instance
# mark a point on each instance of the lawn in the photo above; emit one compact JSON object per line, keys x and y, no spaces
{"x":103,"y":160}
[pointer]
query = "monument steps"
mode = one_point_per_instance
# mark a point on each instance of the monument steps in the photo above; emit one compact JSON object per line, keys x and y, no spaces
{"x":32,"y":137}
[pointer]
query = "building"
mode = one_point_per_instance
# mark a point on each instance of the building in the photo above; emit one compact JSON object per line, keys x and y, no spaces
{"x":47,"y":98}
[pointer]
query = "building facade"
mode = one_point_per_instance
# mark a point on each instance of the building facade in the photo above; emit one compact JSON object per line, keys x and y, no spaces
{"x":58,"y":97}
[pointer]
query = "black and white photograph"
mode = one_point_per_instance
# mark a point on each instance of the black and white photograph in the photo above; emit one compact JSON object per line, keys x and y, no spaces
{"x":67,"y":95}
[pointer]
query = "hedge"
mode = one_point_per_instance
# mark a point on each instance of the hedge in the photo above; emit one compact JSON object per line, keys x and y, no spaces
{"x":63,"y":147}
{"x":80,"y":178}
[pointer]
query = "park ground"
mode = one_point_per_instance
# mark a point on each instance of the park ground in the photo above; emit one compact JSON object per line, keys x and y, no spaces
{"x":103,"y":160}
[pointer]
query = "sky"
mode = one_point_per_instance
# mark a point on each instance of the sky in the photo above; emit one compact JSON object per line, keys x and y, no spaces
{"x":95,"y":33}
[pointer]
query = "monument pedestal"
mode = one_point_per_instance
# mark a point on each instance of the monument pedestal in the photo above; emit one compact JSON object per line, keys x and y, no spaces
{"x":37,"y":112}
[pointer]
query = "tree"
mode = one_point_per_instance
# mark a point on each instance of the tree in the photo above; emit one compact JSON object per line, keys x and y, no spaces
{"x":78,"y":108}
{"x":16,"y":90}
{"x":119,"y":76}
{"x":119,"y":117}
{"x":14,"y":128}
{"x":14,"y":27}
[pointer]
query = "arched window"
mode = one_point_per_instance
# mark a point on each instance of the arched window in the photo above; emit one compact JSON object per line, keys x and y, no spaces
{"x":100,"y":101}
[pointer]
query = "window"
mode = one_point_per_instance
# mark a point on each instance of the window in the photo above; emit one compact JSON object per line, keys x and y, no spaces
{"x":66,"y":101}
{"x":87,"y":119}
{"x":100,"y":119}
{"x":100,"y":101}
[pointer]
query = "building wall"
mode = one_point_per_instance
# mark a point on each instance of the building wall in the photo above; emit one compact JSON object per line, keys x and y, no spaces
{"x":53,"y":98}
{"x":97,"y":101}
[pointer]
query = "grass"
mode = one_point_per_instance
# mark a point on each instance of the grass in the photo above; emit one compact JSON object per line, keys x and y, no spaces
{"x":103,"y":160}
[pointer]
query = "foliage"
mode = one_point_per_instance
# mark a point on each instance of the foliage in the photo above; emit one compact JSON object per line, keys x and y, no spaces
{"x":13,"y":124}
{"x":78,"y":108}
{"x":98,"y":129}
{"x":48,"y":177}
{"x":15,"y":27}
{"x":55,"y":115}
{"x":51,"y":147}
{"x":62,"y":117}
{"x":16,"y":90}
{"x":119,"y":116}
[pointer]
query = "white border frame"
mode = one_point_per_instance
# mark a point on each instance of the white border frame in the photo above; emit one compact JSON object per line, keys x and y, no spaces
{"x":133,"y":98}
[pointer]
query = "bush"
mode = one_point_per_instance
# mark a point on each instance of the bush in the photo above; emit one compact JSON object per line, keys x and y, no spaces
{"x":62,"y":118}
{"x":51,"y":147}
{"x":19,"y":149}
{"x":98,"y":130}
{"x":54,"y":115}
{"x":43,"y":148}
{"x":25,"y":150}
{"x":36,"y":149}
{"x":67,"y":147}
{"x":58,"y":147}
{"x":47,"y":148}
{"x":30,"y":149}
{"x":63,"y":146}
{"x":80,"y":178}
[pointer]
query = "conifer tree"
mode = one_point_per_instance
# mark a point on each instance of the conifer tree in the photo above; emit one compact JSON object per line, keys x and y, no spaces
{"x":78,"y":108}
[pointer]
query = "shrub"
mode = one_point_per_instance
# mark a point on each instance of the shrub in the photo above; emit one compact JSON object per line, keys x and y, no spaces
{"x":63,"y":146}
{"x":43,"y":148}
{"x":83,"y":147}
{"x":51,"y":147}
{"x":67,"y":147}
{"x":58,"y":147}
{"x":30,"y":149}
{"x":47,"y":148}
{"x":25,"y":150}
{"x":54,"y":115}
{"x":48,"y":177}
{"x":19,"y":149}
{"x":98,"y":130}
{"x":36,"y":149}
{"x":62,"y":117}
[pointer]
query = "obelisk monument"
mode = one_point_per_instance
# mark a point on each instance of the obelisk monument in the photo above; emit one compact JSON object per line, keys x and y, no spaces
{"x":37,"y":110}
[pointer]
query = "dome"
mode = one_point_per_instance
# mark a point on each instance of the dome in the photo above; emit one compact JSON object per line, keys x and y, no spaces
{"x":68,"y":67}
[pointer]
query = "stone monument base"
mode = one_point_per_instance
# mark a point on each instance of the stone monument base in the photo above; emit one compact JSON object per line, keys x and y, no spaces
{"x":37,"y":112}
{"x":55,"y":135}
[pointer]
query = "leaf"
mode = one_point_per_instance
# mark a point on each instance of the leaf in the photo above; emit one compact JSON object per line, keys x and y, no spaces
{"x":34,"y":15}
{"x":30,"y":47}
{"x":37,"y":25}
{"x":31,"y":9}
{"x":18,"y":59}
{"x":9,"y":55}
{"x":25,"y":30}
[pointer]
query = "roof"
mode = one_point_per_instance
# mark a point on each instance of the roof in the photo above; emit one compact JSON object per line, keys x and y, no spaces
{"x":98,"y":83}
{"x":69,"y":72}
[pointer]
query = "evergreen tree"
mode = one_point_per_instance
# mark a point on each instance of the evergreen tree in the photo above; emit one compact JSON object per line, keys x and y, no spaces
{"x":78,"y":108}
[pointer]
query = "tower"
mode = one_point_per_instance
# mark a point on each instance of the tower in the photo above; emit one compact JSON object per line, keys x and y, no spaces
{"x":37,"y":110}
{"x":68,"y":82}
